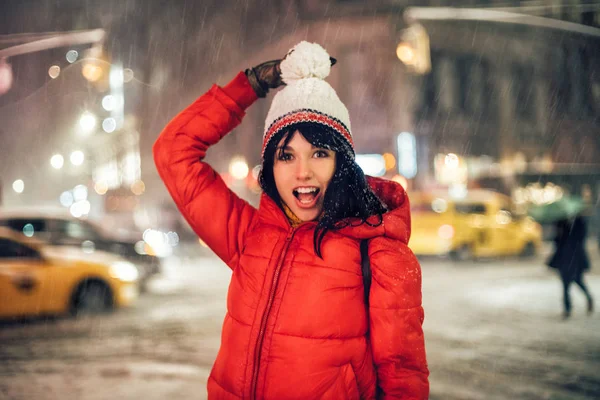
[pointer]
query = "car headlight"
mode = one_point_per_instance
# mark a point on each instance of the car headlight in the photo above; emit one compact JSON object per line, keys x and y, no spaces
{"x":124,"y":271}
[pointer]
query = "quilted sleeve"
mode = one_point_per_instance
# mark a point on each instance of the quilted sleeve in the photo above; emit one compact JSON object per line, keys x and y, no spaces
{"x":396,"y":319}
{"x":217,"y":215}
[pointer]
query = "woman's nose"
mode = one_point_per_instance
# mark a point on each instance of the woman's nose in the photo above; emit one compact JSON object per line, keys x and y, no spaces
{"x":303,"y":170}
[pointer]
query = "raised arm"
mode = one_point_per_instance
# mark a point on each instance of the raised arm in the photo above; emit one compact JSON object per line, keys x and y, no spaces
{"x":217,"y":215}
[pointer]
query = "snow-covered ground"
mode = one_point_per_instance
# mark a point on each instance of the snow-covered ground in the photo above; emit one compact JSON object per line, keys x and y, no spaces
{"x":493,"y":331}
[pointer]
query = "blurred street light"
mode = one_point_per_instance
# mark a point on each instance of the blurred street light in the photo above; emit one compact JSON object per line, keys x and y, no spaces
{"x":94,"y":64}
{"x":116,"y":79}
{"x":54,"y":71}
{"x":92,"y":72}
{"x":371,"y":164}
{"x":390,"y":161}
{"x":66,"y":198}
{"x":87,"y":121}
{"x":108,"y":102}
{"x":6,"y":76}
{"x":28,"y":230}
{"x":138,"y":187}
{"x":77,"y":157}
{"x":57,"y":161}
{"x":413,"y":49}
{"x":451,"y":160}
{"x":101,"y":187}
{"x":238,"y":168}
{"x":450,"y":169}
{"x":405,"y":53}
{"x":18,"y":186}
{"x":72,"y":56}
{"x":109,"y":125}
{"x":80,"y":193}
{"x":80,"y":209}
{"x":406,"y":146}
{"x":127,"y":75}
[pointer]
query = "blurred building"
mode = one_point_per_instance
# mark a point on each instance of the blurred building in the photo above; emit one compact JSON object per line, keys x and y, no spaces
{"x":511,"y":89}
{"x":495,"y":98}
{"x":524,"y":92}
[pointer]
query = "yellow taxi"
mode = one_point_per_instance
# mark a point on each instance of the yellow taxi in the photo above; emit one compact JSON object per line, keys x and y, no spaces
{"x":38,"y":279}
{"x":479,"y":224}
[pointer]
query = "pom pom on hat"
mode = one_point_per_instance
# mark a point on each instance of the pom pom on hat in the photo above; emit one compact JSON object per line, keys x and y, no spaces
{"x":307,"y":97}
{"x":305,"y":60}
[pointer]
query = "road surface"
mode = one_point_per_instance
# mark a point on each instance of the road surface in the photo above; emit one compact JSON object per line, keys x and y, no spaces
{"x":493,"y":331}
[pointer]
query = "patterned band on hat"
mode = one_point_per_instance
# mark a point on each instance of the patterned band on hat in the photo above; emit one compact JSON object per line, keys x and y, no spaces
{"x":306,"y":115}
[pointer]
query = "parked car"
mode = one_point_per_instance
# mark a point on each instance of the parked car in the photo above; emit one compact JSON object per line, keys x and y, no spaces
{"x":37,"y":278}
{"x":481,"y":224}
{"x":59,"y":228}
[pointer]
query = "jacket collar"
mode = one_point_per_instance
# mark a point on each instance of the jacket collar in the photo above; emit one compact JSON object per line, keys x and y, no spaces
{"x":396,"y":221}
{"x":270,"y":213}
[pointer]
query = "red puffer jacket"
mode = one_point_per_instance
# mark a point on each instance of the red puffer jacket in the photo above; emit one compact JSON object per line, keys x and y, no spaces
{"x":296,"y":325}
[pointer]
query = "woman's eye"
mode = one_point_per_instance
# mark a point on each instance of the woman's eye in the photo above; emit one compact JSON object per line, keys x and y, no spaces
{"x":321,"y":154}
{"x":285,"y":157}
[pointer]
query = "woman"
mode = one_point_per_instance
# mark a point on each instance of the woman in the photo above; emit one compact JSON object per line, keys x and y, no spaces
{"x":296,"y":325}
{"x":571,"y":260}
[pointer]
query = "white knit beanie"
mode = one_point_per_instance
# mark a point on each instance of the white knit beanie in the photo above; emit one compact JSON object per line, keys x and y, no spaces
{"x":306,"y":96}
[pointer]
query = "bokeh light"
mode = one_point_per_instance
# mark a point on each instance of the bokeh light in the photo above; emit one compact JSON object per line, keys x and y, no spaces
{"x":72,"y":56}
{"x":66,"y":198}
{"x":451,"y":160}
{"x":54,"y":71}
{"x":57,"y":161}
{"x":446,"y":232}
{"x":77,"y":157}
{"x":238,"y":168}
{"x":18,"y":186}
{"x":87,"y":121}
{"x":390,"y":161}
{"x":405,"y":53}
{"x":28,"y":230}
{"x":80,"y":193}
{"x":138,"y":187}
{"x":88,"y":246}
{"x":127,"y":75}
{"x":92,"y":72}
{"x":80,"y":209}
{"x":6,"y":76}
{"x":108,"y":102}
{"x":101,"y":187}
{"x":109,"y":125}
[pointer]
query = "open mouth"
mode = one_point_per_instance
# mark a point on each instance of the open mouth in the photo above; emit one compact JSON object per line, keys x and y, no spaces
{"x":307,"y":196}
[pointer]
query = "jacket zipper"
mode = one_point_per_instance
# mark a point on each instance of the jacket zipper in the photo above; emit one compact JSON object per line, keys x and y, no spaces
{"x":263,"y":322}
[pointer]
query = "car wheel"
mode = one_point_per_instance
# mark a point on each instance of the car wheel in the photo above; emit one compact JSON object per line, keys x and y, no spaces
{"x":463,"y":253}
{"x":528,"y":250}
{"x":92,"y":297}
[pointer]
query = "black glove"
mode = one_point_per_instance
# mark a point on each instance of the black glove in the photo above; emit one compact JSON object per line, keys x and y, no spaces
{"x":264,"y":77}
{"x":267,"y":76}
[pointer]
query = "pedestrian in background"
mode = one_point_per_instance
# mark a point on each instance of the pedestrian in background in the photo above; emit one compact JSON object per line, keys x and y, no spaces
{"x":296,"y":325}
{"x":570,"y":259}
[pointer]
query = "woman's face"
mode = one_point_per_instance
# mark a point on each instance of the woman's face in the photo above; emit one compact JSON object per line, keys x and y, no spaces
{"x":302,"y":174}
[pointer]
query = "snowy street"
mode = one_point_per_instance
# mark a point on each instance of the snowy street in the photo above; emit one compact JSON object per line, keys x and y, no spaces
{"x":493,"y":331}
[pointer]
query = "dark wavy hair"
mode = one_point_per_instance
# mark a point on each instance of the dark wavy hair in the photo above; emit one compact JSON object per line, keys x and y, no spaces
{"x":348,"y":194}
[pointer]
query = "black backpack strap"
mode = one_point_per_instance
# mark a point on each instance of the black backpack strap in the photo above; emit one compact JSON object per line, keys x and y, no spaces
{"x":366,"y":268}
